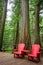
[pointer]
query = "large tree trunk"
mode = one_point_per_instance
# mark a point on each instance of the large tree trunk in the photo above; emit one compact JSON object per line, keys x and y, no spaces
{"x":37,"y":29}
{"x":25,"y":25}
{"x":3,"y":23}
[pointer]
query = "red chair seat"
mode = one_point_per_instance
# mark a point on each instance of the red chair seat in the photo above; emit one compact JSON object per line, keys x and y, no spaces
{"x":32,"y":55}
{"x":17,"y":52}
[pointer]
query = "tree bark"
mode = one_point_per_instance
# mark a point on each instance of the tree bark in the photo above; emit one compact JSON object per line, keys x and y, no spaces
{"x":3,"y":23}
{"x":17,"y":23}
{"x":17,"y":34}
{"x":37,"y":29}
{"x":25,"y":25}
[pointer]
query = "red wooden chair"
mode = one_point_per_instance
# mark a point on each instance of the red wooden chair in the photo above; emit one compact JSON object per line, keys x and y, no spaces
{"x":35,"y":55}
{"x":18,"y":52}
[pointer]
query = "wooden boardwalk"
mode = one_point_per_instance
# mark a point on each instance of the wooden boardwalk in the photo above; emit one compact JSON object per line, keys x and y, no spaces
{"x":8,"y":59}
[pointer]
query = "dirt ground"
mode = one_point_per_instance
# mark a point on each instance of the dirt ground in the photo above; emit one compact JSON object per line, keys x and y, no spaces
{"x":8,"y":59}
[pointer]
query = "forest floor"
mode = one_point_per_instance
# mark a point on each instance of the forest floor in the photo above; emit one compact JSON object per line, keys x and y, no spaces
{"x":8,"y":59}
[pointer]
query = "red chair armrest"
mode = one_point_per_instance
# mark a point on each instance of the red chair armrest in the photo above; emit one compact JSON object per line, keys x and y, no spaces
{"x":15,"y":50}
{"x":38,"y":52}
{"x":26,"y":51}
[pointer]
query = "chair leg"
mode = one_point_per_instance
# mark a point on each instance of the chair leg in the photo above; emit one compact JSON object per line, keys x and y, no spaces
{"x":30,"y":58}
{"x":14,"y":55}
{"x":23,"y":55}
{"x":36,"y":59}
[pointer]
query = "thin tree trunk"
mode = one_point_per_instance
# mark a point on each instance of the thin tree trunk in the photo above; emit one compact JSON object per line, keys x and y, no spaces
{"x":3,"y":23}
{"x":17,"y":24}
{"x":37,"y":29}
{"x":17,"y":34}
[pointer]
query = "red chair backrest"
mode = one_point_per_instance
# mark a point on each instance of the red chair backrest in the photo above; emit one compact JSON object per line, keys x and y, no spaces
{"x":35,"y":49}
{"x":21,"y":47}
